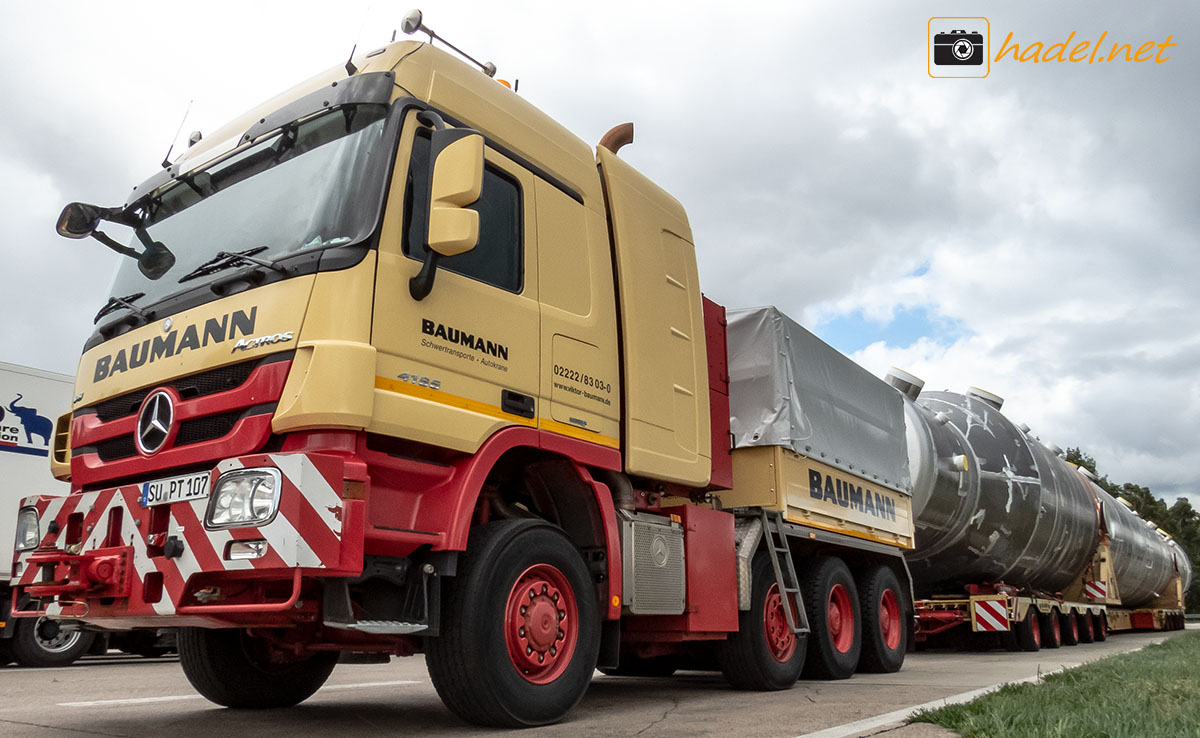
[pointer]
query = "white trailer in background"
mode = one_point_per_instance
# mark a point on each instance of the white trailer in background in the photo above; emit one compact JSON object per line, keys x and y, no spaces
{"x":31,"y":400}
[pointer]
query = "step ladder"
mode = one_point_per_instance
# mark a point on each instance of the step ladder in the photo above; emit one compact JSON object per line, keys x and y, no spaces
{"x":775,"y":536}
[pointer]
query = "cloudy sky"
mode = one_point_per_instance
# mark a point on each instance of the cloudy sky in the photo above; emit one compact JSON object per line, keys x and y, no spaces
{"x":1033,"y":233}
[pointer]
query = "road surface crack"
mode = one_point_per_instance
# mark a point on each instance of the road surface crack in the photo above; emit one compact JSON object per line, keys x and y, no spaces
{"x":674,"y":706}
{"x":64,"y":729}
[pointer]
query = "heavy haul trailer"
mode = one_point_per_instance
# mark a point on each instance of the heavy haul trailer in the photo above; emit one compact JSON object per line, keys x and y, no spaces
{"x":1012,"y":539}
{"x":398,"y":364}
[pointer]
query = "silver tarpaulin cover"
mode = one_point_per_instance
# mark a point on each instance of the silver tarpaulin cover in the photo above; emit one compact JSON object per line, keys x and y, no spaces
{"x":789,"y":388}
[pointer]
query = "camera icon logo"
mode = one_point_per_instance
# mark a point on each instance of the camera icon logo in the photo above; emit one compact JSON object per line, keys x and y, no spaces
{"x":958,"y":53}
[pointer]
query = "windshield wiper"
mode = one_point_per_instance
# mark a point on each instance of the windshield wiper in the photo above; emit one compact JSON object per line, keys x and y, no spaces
{"x":226,"y":259}
{"x":126,"y":302}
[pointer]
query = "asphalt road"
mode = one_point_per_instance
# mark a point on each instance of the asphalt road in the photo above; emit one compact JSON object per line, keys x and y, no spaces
{"x":134,"y":697}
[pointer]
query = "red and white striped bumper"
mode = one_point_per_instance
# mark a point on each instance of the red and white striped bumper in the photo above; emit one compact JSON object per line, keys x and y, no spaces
{"x":111,"y":558}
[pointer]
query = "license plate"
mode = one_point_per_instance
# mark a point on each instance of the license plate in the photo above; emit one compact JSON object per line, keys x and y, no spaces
{"x":175,"y":489}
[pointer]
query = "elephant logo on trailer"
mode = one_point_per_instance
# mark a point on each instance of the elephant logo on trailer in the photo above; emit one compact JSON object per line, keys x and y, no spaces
{"x":34,"y":424}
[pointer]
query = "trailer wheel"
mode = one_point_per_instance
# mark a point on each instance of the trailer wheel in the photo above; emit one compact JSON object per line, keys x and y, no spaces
{"x":42,"y":642}
{"x":831,"y":599}
{"x":884,"y":630}
{"x":234,"y":669}
{"x":1069,"y":625}
{"x":1087,"y":628}
{"x":1100,"y":626}
{"x":764,"y":654}
{"x":521,"y":628}
{"x":1029,"y":631}
{"x":1051,"y":629}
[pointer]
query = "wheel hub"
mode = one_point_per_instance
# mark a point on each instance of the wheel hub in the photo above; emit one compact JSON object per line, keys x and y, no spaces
{"x":781,"y":641}
{"x":840,"y":616}
{"x":540,"y":630}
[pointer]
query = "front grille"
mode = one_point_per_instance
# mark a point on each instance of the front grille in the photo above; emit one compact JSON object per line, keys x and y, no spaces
{"x":196,"y":385}
{"x":116,"y":448}
{"x":206,"y":429}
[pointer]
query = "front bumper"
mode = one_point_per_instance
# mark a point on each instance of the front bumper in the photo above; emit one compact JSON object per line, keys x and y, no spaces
{"x":105,"y":559}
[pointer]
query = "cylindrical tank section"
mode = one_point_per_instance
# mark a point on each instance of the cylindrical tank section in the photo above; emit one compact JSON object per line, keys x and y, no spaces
{"x":1144,"y":560}
{"x":992,"y":504}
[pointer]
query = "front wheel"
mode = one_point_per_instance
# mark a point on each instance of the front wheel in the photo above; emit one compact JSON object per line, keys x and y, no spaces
{"x":764,"y":654}
{"x":44,"y":642}
{"x":1070,"y":628}
{"x":1051,"y":629}
{"x":234,"y":669}
{"x":521,"y":628}
{"x":831,"y":598}
{"x":885,"y":627}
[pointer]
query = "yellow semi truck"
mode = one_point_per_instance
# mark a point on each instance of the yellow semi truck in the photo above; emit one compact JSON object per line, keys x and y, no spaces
{"x":397,"y":364}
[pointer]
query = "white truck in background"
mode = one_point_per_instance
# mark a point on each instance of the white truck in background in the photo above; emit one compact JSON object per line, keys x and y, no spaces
{"x":31,"y":401}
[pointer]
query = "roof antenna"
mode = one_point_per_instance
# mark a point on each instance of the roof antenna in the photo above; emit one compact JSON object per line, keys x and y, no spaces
{"x":413,"y":23}
{"x":350,"y":68}
{"x":166,"y":162}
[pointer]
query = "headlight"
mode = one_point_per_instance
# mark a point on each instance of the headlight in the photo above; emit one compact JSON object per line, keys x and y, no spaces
{"x":244,"y":498}
{"x":27,"y":529}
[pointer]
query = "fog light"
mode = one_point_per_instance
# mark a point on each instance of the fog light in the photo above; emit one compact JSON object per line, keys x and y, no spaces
{"x":244,"y":498}
{"x":241,"y":550}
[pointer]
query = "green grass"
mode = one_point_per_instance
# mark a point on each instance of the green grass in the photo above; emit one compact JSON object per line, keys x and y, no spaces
{"x":1153,"y":692}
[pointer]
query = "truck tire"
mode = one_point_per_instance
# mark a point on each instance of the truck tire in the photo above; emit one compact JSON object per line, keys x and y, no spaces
{"x":1029,"y":632}
{"x":1070,"y":628}
{"x":1100,"y":627}
{"x":1087,"y":627}
{"x":831,"y":598}
{"x":41,"y":642}
{"x":520,"y":628}
{"x":884,"y":616}
{"x":1051,"y":629}
{"x":232,"y":668}
{"x":764,"y":654}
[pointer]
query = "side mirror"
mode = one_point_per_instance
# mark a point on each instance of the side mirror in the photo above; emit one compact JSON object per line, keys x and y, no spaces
{"x":456,"y":176}
{"x":78,"y":220}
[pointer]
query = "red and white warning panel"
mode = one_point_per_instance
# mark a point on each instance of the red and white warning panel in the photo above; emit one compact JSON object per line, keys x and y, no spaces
{"x":989,"y":615}
{"x":1096,"y":590}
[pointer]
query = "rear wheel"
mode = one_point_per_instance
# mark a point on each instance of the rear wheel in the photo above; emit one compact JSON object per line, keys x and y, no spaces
{"x":521,"y":628}
{"x":884,"y":628}
{"x":1087,"y":628}
{"x":764,"y":654}
{"x":1100,"y":626}
{"x":1069,"y":624}
{"x":45,"y":642}
{"x":1029,"y":632}
{"x":831,"y":598}
{"x":234,"y":669}
{"x":1051,"y":629}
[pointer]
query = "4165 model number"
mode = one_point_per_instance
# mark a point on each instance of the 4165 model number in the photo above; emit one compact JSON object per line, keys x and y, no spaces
{"x":420,"y":381}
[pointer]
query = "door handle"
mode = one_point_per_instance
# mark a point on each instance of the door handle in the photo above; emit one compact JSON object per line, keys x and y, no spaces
{"x":516,"y":403}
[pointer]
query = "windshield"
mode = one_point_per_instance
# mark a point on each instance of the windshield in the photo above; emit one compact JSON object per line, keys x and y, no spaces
{"x":315,"y":184}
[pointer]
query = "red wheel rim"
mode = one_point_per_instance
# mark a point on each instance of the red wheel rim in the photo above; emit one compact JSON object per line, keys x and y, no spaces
{"x":1037,"y":632}
{"x":1074,"y":627}
{"x":781,"y":641}
{"x":1055,"y":627}
{"x":1088,"y":630}
{"x":540,"y":628}
{"x":841,"y":618}
{"x":1102,"y":626}
{"x":889,"y":619}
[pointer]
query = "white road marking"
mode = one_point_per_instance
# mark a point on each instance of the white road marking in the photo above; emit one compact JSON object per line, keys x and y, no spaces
{"x":177,"y":698}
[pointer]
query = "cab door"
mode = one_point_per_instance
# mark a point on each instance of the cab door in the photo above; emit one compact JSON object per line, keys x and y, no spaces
{"x":463,"y":362}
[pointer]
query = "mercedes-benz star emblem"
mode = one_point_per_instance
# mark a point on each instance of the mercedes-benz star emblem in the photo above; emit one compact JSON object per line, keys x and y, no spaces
{"x":154,"y":422}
